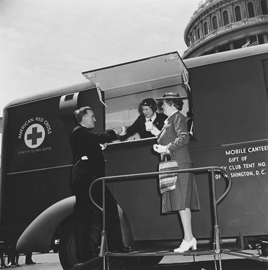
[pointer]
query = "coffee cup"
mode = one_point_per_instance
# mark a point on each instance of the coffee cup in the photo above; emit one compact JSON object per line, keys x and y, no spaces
{"x":149,"y":125}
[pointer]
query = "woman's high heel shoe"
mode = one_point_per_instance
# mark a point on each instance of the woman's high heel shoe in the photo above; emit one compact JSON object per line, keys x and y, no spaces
{"x":185,"y":246}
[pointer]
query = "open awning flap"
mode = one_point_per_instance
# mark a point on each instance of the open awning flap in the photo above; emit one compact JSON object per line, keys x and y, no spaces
{"x":142,"y":75}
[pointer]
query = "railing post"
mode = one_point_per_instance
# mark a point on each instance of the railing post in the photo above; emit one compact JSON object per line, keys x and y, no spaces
{"x":217,"y":244}
{"x":104,"y":245}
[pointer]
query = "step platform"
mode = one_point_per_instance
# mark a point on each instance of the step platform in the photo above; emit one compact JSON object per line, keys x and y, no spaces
{"x":249,"y":254}
{"x":148,"y":253}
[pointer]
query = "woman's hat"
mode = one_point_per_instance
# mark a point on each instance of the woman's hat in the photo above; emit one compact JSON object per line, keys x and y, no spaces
{"x":148,"y":102}
{"x":170,"y":95}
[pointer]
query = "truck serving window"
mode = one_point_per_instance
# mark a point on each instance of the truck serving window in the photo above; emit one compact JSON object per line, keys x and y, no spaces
{"x":125,"y":86}
{"x":124,"y":110}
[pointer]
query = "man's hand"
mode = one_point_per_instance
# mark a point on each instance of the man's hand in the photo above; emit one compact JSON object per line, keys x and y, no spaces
{"x":123,"y":132}
{"x":103,"y":146}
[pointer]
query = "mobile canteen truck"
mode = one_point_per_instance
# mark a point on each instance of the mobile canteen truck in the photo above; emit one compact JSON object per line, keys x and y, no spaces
{"x":227,"y":93}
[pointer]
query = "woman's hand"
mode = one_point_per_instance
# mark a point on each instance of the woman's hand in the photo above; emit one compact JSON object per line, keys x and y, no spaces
{"x":160,"y":148}
{"x":121,"y":130}
{"x":117,"y":130}
{"x":155,"y":131}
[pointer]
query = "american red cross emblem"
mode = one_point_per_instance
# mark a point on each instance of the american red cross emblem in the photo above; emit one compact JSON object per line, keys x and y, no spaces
{"x":34,"y":135}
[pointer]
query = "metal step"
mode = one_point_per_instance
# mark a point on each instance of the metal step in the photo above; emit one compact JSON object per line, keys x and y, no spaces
{"x":254,"y":255}
{"x":146,"y":253}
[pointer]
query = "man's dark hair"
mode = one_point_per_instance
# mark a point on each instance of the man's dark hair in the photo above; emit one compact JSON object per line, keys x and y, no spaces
{"x":81,"y":112}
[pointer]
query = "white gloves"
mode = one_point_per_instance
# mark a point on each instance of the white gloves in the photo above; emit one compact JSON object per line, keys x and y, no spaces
{"x":160,"y":148}
{"x":155,"y":131}
{"x":123,"y":132}
{"x":103,"y":146}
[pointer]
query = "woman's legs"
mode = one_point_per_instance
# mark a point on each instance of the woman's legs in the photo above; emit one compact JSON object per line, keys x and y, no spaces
{"x":186,"y":223}
{"x":189,"y":241}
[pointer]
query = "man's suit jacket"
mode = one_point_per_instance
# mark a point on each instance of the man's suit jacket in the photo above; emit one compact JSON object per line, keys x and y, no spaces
{"x":89,"y":162}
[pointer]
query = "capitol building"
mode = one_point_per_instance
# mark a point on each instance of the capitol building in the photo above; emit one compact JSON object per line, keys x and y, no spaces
{"x":222,"y":25}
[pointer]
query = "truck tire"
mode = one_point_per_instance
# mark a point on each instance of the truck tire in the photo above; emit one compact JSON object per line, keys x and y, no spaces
{"x":67,"y":251}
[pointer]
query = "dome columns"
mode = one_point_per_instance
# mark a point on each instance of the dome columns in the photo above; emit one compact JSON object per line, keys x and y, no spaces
{"x":216,"y":20}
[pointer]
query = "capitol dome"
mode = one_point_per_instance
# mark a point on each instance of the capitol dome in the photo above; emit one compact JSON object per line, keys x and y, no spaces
{"x":222,"y":25}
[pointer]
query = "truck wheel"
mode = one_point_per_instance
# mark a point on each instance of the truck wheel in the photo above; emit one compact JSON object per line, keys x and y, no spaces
{"x":67,"y":251}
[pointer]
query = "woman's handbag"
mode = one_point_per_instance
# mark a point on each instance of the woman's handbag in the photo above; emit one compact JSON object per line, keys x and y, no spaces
{"x":167,"y":181}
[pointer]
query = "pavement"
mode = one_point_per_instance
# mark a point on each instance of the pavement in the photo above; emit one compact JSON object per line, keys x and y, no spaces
{"x":43,"y":262}
{"x":50,"y":261}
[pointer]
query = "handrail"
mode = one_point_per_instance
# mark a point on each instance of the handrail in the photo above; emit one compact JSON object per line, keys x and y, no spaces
{"x":138,"y":175}
{"x":212,"y":169}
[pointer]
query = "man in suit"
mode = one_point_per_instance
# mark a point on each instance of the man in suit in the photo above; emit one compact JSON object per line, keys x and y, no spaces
{"x":149,"y":123}
{"x":89,"y":164}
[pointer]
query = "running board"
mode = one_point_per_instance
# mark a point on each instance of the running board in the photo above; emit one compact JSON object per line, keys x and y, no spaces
{"x":237,"y":253}
{"x":161,"y":253}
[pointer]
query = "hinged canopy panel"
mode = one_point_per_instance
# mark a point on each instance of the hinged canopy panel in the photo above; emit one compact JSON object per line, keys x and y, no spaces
{"x":138,"y":76}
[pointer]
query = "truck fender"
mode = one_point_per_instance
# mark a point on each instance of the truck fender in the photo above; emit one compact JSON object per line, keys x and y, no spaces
{"x":38,"y":235}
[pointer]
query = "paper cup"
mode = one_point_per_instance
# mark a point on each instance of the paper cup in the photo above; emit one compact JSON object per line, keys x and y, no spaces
{"x":149,"y":125}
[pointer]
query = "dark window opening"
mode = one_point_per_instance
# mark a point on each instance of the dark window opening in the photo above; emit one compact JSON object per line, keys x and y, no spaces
{"x":225,"y":17}
{"x":238,"y":16}
{"x":251,"y":12}
{"x":69,"y":97}
{"x":214,"y":23}
{"x":206,"y":28}
{"x":198,"y":33}
{"x":264,"y":7}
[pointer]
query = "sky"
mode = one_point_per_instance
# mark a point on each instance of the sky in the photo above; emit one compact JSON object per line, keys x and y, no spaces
{"x":47,"y":44}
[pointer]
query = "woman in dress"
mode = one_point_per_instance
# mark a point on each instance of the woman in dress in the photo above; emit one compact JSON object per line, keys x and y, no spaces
{"x":173,"y":139}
